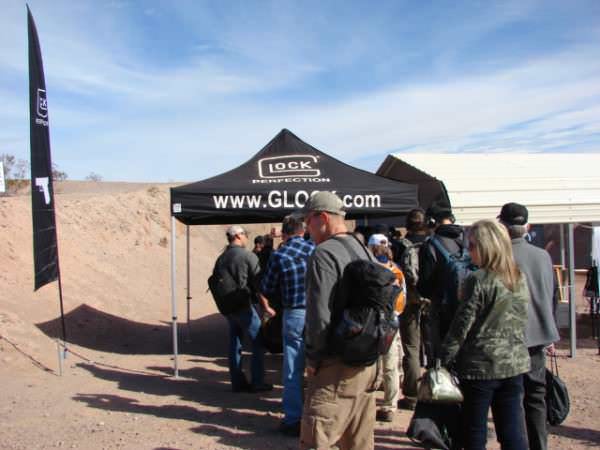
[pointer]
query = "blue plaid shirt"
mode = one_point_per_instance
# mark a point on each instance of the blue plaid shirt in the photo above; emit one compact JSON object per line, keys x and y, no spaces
{"x":286,"y":271}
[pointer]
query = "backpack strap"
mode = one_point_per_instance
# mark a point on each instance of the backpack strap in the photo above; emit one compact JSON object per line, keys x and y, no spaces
{"x":437,"y":243}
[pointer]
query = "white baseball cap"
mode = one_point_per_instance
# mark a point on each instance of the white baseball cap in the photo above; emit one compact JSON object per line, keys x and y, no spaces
{"x":378,"y":239}
{"x":234,"y":230}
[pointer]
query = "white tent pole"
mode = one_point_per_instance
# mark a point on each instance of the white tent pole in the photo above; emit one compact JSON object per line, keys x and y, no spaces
{"x":173,"y":299}
{"x":572,"y":298}
{"x":563,"y":262}
{"x":189,"y":294}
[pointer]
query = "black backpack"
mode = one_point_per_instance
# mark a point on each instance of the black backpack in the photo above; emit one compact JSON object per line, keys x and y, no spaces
{"x":458,"y":267}
{"x":364,"y":322}
{"x":228,"y":296}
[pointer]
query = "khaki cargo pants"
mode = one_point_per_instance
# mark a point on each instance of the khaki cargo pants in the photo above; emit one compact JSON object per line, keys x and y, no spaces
{"x":339,"y":408}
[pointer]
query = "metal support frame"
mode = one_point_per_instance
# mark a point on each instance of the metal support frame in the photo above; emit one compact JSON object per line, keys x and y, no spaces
{"x":563,"y":260}
{"x":572,"y":295}
{"x":188,"y":290}
{"x":173,"y":298}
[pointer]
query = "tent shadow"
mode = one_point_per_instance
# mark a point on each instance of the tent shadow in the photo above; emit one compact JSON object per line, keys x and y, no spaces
{"x":244,"y":420}
{"x":95,"y":329}
{"x":198,"y":384}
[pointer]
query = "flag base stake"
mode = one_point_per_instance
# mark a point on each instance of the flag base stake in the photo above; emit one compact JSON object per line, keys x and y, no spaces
{"x":62,"y":355}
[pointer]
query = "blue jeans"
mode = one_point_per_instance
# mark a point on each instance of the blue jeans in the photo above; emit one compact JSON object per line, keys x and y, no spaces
{"x":505,"y":396}
{"x":293,"y":364}
{"x":245,"y":322}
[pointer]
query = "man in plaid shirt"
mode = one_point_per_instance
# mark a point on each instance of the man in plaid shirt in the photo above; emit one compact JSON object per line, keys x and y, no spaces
{"x":284,"y":280}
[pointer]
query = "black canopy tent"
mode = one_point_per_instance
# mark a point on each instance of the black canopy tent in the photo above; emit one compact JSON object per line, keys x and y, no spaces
{"x":279,"y":179}
{"x":273,"y":183}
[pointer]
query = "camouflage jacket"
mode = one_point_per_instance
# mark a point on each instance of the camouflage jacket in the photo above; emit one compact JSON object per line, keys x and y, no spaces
{"x":486,"y":340}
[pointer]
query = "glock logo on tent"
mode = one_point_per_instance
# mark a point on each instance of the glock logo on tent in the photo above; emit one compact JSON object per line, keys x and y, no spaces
{"x":42,"y":104}
{"x":288,"y":166}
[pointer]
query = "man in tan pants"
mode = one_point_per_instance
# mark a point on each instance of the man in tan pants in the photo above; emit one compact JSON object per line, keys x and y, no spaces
{"x":339,"y":408}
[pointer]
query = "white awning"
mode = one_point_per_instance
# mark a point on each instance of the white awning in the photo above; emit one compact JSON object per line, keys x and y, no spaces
{"x":556,"y":188}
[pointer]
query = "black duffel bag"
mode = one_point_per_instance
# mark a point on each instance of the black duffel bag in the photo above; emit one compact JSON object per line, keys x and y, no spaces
{"x":436,"y":426}
{"x":557,"y":396}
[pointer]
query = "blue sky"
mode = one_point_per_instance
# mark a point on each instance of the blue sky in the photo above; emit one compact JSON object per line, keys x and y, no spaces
{"x":183,"y":90}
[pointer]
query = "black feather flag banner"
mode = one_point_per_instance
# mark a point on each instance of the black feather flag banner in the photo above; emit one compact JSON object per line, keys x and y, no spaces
{"x":45,"y":252}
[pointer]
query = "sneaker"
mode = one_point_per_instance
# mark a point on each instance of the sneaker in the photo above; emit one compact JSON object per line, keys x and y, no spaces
{"x":384,"y":415}
{"x":290,"y":429}
{"x":265,"y":387}
{"x":406,"y":403}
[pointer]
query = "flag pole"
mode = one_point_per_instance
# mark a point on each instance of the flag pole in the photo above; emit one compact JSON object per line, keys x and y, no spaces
{"x":62,"y":309}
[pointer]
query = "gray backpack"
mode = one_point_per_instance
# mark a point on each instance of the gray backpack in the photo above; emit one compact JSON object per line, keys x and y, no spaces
{"x":409,"y":261}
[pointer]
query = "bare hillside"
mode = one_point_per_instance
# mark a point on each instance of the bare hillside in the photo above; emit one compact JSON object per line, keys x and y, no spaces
{"x":114,"y":255}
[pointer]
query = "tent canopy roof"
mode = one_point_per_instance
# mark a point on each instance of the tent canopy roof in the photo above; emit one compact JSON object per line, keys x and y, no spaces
{"x":556,"y":188}
{"x":279,"y":179}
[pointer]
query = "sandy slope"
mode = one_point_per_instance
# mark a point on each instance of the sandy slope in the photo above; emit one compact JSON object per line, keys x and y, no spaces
{"x":117,"y":390}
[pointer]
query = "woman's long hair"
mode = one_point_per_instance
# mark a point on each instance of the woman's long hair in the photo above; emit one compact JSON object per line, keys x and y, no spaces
{"x":493,"y":244}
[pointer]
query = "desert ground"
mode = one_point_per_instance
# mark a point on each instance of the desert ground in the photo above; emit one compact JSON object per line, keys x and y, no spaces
{"x":117,"y":388}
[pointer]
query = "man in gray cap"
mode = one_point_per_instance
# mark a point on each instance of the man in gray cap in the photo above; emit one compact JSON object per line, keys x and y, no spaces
{"x":541,"y":330}
{"x":242,"y":267}
{"x":339,"y":407}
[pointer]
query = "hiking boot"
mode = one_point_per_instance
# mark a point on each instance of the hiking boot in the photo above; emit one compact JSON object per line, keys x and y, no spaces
{"x":265,"y":387}
{"x":406,"y":403}
{"x":290,"y":429}
{"x":384,"y":415}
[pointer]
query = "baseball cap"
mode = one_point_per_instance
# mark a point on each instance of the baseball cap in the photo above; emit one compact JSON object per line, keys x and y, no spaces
{"x":234,"y":230}
{"x":324,"y":201}
{"x":378,"y":239}
{"x":514,"y":214}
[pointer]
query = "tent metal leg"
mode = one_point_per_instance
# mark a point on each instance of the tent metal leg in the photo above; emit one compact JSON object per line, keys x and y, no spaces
{"x":561,"y":230}
{"x":189,"y":294}
{"x":572,"y":295}
{"x":173,"y":298}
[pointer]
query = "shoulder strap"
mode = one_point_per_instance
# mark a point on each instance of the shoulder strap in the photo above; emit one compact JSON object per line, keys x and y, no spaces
{"x":349,"y":248}
{"x":440,"y":247}
{"x":437,"y":243}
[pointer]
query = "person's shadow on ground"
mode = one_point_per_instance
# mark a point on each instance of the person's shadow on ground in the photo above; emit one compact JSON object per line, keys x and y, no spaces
{"x":585,"y":435}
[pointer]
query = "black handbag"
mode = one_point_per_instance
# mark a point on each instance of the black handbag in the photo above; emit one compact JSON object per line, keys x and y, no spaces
{"x":557,"y":396}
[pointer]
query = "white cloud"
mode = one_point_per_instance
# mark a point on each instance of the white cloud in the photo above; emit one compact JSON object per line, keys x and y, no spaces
{"x":220,"y":103}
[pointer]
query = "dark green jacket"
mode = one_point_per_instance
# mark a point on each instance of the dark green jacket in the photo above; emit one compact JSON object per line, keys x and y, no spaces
{"x":486,"y":340}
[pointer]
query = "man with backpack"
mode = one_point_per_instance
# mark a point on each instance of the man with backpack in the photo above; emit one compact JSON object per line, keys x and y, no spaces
{"x":339,"y":407}
{"x":541,"y":329}
{"x":410,"y":327}
{"x":444,"y":264}
{"x":234,"y":286}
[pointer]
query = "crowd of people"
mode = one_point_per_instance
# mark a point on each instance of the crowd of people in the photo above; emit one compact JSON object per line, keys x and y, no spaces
{"x":478,"y":300}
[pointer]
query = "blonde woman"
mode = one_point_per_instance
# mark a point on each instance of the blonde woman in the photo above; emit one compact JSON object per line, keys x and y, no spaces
{"x":486,"y":341}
